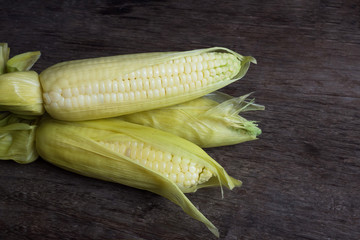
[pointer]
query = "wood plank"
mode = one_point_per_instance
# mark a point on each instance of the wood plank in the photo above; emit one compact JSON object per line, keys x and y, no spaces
{"x":301,"y":178}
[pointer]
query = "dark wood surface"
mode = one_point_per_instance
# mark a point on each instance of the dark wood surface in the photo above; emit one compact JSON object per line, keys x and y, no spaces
{"x":301,"y":178}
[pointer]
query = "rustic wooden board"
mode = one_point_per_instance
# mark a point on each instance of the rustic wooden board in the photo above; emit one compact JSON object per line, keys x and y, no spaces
{"x":301,"y":178}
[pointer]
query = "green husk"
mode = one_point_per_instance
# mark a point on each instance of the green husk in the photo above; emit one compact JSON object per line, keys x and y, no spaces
{"x":22,"y":62}
{"x":17,"y":138}
{"x":75,"y":146}
{"x":20,"y":90}
{"x":20,"y":93}
{"x":209,"y":121}
{"x":4,"y":56}
{"x":18,"y":63}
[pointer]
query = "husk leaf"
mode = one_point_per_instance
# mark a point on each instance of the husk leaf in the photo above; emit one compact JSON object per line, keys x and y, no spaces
{"x":17,"y":138}
{"x":22,"y":62}
{"x":20,"y":93}
{"x":209,"y":121}
{"x":4,"y":56}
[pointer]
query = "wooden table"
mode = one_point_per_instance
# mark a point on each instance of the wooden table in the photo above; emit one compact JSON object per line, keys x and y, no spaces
{"x":301,"y":178}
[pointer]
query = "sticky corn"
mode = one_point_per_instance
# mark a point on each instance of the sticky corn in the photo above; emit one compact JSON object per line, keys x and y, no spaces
{"x":133,"y":155}
{"x":113,"y":86}
{"x":209,"y":121}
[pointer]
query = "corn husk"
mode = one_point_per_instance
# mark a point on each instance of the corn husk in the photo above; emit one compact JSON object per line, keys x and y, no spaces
{"x":17,"y":138}
{"x":75,"y":146}
{"x":4,"y":56}
{"x":18,"y":63}
{"x":20,"y":93}
{"x":209,"y":121}
{"x":22,"y":62}
{"x":20,"y":90}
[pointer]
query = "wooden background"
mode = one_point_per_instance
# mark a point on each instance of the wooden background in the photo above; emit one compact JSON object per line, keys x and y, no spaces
{"x":301,"y":178}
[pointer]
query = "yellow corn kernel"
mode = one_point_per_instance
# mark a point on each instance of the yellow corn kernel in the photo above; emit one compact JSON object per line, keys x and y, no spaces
{"x":134,"y":155}
{"x":17,"y":138}
{"x":209,"y":121}
{"x":113,"y":86}
{"x":162,"y":162}
{"x":20,"y":93}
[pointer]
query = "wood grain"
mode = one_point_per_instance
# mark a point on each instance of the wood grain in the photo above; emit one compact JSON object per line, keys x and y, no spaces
{"x":301,"y":178}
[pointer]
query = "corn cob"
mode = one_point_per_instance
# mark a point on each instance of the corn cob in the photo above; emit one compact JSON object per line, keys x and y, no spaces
{"x":209,"y":121}
{"x":134,"y":155}
{"x":113,"y":86}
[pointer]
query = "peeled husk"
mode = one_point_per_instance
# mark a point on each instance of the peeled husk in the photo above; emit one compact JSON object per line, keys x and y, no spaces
{"x":22,"y":62}
{"x":75,"y":146}
{"x":20,"y":93}
{"x":17,"y":138}
{"x":4,"y":56}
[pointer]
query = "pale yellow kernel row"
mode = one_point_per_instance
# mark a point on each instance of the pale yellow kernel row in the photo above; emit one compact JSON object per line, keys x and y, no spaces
{"x":59,"y":100}
{"x":172,"y":78}
{"x":178,"y":169}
